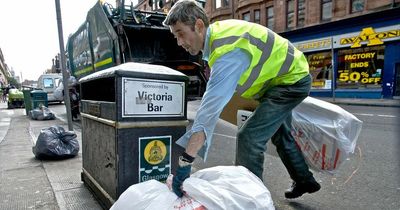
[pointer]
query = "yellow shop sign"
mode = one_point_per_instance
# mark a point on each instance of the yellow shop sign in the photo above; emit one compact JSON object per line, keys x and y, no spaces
{"x":369,"y":36}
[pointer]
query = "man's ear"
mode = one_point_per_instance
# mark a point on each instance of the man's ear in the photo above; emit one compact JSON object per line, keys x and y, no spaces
{"x":199,"y":26}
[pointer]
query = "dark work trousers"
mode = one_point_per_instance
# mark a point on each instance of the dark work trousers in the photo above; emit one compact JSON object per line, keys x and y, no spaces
{"x":272,"y":119}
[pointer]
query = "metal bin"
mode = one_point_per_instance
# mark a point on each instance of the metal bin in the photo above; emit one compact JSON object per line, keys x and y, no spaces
{"x":132,"y":114}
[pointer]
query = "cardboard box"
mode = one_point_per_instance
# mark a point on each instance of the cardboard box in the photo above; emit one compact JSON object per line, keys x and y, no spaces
{"x":237,"y":103}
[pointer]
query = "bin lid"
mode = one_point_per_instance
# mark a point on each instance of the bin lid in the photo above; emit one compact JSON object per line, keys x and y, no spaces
{"x":135,"y":69}
{"x":38,"y":92}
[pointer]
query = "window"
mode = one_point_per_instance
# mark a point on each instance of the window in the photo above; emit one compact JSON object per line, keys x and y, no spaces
{"x":221,"y":3}
{"x":257,"y":16}
{"x":217,"y":4}
{"x":360,"y":68}
{"x":326,"y":10}
{"x":320,"y":69}
{"x":301,"y":5}
{"x":225,"y":3}
{"x":357,"y":6}
{"x":81,"y":50}
{"x":246,"y":16}
{"x":48,"y":83}
{"x":290,"y":14}
{"x":270,"y":17}
{"x":57,"y":81}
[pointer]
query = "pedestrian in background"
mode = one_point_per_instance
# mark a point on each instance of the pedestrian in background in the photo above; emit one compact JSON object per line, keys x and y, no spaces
{"x":258,"y":64}
{"x":5,"y":93}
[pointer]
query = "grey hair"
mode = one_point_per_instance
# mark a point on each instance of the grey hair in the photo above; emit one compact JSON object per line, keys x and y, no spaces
{"x":187,"y":12}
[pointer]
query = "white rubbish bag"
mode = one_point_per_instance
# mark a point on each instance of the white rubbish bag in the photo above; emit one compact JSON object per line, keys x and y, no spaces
{"x":325,"y":133}
{"x":152,"y":194}
{"x":216,"y":188}
{"x":228,"y":187}
{"x":59,"y":92}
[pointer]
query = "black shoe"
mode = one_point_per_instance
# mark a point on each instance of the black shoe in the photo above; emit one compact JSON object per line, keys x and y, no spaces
{"x":298,"y":189}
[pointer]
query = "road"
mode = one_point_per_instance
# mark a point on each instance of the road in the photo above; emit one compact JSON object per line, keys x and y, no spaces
{"x":369,"y":179}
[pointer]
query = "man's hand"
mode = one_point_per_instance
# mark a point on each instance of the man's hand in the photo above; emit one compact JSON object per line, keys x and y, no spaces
{"x":182,"y":173}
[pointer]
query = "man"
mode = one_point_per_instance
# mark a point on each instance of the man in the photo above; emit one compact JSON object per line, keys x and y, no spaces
{"x":6,"y":90}
{"x":258,"y":64}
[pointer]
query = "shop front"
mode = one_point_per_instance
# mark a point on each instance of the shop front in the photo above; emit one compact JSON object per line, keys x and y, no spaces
{"x":353,"y":62}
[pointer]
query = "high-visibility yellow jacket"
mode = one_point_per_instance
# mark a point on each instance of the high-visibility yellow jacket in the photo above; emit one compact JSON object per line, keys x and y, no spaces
{"x":274,"y":60}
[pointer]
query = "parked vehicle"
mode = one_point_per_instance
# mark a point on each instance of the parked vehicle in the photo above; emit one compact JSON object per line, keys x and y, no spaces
{"x":49,"y":83}
{"x":112,"y":36}
{"x":15,"y":99}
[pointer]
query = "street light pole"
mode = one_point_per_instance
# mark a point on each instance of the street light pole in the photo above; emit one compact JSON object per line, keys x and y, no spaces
{"x":63,"y":67}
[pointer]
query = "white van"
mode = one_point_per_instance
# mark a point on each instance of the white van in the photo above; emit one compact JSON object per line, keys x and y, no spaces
{"x":49,"y":83}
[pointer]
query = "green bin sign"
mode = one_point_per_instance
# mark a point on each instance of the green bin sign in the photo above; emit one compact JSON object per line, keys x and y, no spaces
{"x":154,"y":158}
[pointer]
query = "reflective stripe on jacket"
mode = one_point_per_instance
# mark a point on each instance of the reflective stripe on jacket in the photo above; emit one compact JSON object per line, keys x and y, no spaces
{"x":274,"y":60}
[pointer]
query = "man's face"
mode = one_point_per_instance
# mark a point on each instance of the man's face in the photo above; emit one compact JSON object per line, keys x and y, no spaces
{"x":190,"y":40}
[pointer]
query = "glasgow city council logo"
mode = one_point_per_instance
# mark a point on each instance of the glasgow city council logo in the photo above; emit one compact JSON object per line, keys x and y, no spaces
{"x":155,"y":158}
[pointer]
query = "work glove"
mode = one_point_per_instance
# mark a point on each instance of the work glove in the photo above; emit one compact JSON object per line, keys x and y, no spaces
{"x":182,"y":173}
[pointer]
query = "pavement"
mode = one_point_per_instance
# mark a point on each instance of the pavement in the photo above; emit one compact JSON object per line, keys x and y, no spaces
{"x":28,"y":183}
{"x":364,"y":102}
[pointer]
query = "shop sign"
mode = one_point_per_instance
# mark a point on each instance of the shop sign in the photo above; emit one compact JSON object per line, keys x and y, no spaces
{"x":154,"y":158}
{"x":313,"y":45}
{"x":152,"y":98}
{"x":369,"y":37}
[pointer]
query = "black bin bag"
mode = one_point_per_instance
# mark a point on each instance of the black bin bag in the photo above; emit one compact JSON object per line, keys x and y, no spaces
{"x":42,"y":113}
{"x":56,"y":143}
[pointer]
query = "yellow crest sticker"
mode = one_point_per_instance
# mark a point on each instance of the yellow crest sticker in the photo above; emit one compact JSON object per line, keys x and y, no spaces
{"x":155,"y":152}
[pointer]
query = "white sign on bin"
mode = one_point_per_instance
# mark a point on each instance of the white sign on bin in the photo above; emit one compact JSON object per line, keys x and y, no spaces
{"x":152,"y":98}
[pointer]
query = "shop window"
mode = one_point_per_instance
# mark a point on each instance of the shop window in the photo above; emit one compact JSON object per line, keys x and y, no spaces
{"x":257,"y":16}
{"x":357,"y":6}
{"x":290,"y":14}
{"x":320,"y":69}
{"x":301,"y":5}
{"x":270,"y":17}
{"x":397,"y":81}
{"x":246,"y":16}
{"x":360,"y":68}
{"x":326,"y":11}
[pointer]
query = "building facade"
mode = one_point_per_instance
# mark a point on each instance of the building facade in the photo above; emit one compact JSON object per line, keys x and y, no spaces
{"x":353,"y":46}
{"x":357,"y":57}
{"x":4,"y":72}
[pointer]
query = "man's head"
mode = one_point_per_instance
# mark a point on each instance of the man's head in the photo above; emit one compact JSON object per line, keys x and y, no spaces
{"x":188,"y":22}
